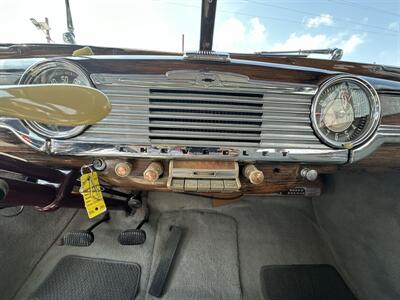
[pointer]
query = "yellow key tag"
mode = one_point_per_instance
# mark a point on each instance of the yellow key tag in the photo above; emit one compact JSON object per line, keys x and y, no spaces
{"x":91,"y":191}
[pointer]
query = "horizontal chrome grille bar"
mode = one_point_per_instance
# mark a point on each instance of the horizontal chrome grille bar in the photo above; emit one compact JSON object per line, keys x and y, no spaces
{"x":205,"y":126}
{"x":214,"y":98}
{"x":207,"y":116}
{"x":188,"y":135}
{"x":277,"y":136}
{"x":206,"y":108}
{"x":286,"y":119}
{"x":290,"y":145}
{"x":266,"y":127}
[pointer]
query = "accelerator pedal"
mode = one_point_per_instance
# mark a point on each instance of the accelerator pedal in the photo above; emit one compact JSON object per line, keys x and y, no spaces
{"x":82,"y":238}
{"x":164,"y":266}
{"x":131,"y":237}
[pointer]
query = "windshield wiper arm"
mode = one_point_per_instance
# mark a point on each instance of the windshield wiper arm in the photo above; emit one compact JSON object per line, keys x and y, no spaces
{"x":335,"y":53}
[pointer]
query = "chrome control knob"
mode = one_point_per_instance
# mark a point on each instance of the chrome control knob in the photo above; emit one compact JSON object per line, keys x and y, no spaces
{"x":254,"y":175}
{"x":123,"y":169}
{"x":153,"y":172}
{"x":309,"y":174}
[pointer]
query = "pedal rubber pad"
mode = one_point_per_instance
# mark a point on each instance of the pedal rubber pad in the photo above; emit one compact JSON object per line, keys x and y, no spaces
{"x":132,"y":237}
{"x":80,"y":238}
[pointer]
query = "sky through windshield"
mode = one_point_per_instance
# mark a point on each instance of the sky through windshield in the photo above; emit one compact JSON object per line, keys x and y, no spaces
{"x":367,"y":31}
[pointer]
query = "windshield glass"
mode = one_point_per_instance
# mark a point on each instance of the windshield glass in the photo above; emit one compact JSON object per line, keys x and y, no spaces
{"x":367,"y":31}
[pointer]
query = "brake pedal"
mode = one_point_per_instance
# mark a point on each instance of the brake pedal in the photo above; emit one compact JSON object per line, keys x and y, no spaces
{"x":82,"y":238}
{"x":132,"y":237}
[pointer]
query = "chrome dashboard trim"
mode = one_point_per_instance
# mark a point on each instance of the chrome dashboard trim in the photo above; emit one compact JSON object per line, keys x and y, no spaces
{"x":193,"y":78}
{"x":390,"y":104}
{"x":384,"y":134}
{"x":11,"y":70}
{"x":9,"y":78}
{"x":204,"y":55}
{"x":27,"y":136}
{"x":280,"y":101}
{"x":332,"y":156}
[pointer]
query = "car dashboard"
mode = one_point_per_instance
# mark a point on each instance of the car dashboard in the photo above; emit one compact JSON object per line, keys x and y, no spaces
{"x":212,"y":124}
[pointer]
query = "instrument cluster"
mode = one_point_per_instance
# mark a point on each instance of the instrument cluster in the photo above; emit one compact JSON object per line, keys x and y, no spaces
{"x":55,"y":72}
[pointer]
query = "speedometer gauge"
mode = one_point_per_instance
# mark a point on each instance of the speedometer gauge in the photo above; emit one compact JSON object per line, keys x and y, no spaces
{"x":345,"y":112}
{"x":55,"y":72}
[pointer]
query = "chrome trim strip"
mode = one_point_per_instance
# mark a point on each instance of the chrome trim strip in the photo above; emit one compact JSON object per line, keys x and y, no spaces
{"x":390,"y":104}
{"x":207,"y":56}
{"x":24,"y":134}
{"x":384,"y":134}
{"x":9,"y":78}
{"x":190,"y":152}
{"x":197,"y":79}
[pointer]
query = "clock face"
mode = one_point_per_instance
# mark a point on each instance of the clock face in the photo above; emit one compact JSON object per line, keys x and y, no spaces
{"x":344,"y":112}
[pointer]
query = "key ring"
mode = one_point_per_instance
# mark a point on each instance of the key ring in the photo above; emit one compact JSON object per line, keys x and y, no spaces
{"x":86,"y":167}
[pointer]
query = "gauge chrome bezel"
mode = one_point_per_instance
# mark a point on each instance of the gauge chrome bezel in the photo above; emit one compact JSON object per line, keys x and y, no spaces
{"x":32,"y":73}
{"x":375,"y":114}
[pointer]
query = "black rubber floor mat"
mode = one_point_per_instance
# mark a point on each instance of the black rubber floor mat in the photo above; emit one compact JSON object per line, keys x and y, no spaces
{"x":298,"y":282}
{"x":76,"y":277}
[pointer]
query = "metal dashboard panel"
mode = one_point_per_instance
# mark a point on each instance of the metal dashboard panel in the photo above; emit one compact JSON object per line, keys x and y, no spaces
{"x":210,"y":115}
{"x":222,"y":116}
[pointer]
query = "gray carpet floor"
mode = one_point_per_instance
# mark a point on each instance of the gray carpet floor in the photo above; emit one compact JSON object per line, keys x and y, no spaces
{"x":354,"y":226}
{"x":360,"y":214}
{"x":222,"y":249}
{"x":207,"y":257}
{"x":24,"y":239}
{"x":274,"y":231}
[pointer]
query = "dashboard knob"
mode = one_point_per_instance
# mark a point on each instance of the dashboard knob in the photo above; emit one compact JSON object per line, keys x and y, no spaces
{"x":123,"y":169}
{"x":153,"y":172}
{"x":99,"y":164}
{"x":309,"y":174}
{"x":254,"y":175}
